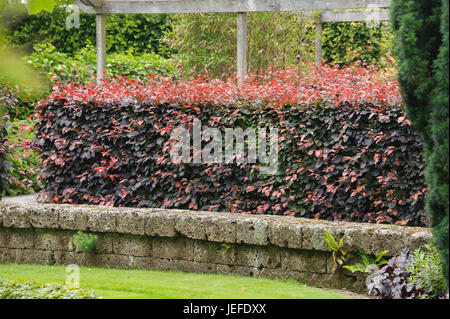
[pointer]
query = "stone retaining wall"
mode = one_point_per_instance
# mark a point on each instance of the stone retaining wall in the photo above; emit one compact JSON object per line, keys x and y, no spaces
{"x":191,"y":241}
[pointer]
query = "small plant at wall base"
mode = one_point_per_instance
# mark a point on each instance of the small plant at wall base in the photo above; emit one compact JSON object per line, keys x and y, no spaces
{"x":85,"y":241}
{"x":339,"y":256}
{"x":426,"y":273}
{"x":367,"y":267}
{"x":416,"y":275}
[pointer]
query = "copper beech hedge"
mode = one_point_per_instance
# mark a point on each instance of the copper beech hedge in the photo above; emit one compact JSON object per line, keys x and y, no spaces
{"x":346,"y":149}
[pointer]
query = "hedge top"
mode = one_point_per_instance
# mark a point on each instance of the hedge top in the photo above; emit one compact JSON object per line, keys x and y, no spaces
{"x":354,"y":85}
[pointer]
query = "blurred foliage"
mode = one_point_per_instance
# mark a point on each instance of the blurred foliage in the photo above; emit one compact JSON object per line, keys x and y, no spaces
{"x":207,"y":42}
{"x":141,"y":32}
{"x":80,"y":68}
{"x":21,"y":289}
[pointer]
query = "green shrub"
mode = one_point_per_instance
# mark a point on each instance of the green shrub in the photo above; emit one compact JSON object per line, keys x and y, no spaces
{"x":81,"y":67}
{"x":426,"y":273}
{"x":85,"y":241}
{"x":422,"y":44}
{"x":21,"y":289}
{"x":141,"y":32}
{"x":349,"y":42}
{"x":24,"y":162}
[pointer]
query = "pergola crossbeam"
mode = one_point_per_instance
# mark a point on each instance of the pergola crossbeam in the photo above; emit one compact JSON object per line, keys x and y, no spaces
{"x":203,"y":6}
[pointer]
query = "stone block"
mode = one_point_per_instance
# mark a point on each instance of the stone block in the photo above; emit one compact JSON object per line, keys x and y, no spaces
{"x":101,"y":221}
{"x":160,"y":224}
{"x":191,"y":225}
{"x":221,"y":229}
{"x":251,"y":230}
{"x":16,"y":216}
{"x":74,"y":218}
{"x":44,"y":217}
{"x":258,"y":256}
{"x":16,"y":238}
{"x":312,"y":236}
{"x":304,"y":260}
{"x":131,"y":222}
{"x":285,"y":234}
{"x":173,"y":248}
{"x":46,"y":239}
{"x":7,"y":255}
{"x":132,"y":245}
{"x":388,"y":238}
{"x":33,"y":256}
{"x":214,"y":253}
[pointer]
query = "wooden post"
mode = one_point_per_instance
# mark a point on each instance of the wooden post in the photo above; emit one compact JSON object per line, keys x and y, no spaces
{"x":101,"y":46}
{"x":318,"y":43}
{"x":242,"y":46}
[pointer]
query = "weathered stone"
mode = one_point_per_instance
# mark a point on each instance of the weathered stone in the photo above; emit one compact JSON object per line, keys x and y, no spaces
{"x":173,"y":248}
{"x":418,"y":239}
{"x":285,"y":234}
{"x":304,"y":260}
{"x":191,"y":226}
{"x":246,"y":271}
{"x":32,"y":256}
{"x":132,"y":245}
{"x":104,"y":243}
{"x":204,"y":268}
{"x":7,"y":255}
{"x":155,"y":263}
{"x":101,"y":221}
{"x":131,"y":222}
{"x":16,"y":238}
{"x":44,"y":218}
{"x":214,"y":253}
{"x":221,"y":229}
{"x":388,"y":238}
{"x":115,"y":261}
{"x":74,"y":219}
{"x":312,"y":236}
{"x":258,"y":256}
{"x":225,"y":269}
{"x":16,"y":216}
{"x":53,"y":240}
{"x":357,"y":237}
{"x":160,"y":224}
{"x":67,"y":257}
{"x":267,"y":246}
{"x":252,"y":231}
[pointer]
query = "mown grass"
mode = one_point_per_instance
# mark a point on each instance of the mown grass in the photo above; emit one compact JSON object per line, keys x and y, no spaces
{"x":138,"y":284}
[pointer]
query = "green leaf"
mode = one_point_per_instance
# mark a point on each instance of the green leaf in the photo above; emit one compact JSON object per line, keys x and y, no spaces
{"x":36,"y":6}
{"x":356,"y":267}
{"x":380,"y":255}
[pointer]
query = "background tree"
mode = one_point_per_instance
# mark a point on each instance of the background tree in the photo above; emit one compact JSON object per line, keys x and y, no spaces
{"x":421,"y":44}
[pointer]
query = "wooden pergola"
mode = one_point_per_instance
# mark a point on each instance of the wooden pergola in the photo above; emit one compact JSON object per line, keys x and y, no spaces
{"x":370,"y":10}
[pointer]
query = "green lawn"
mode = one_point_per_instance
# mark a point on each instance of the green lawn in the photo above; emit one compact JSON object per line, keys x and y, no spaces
{"x":133,"y":283}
